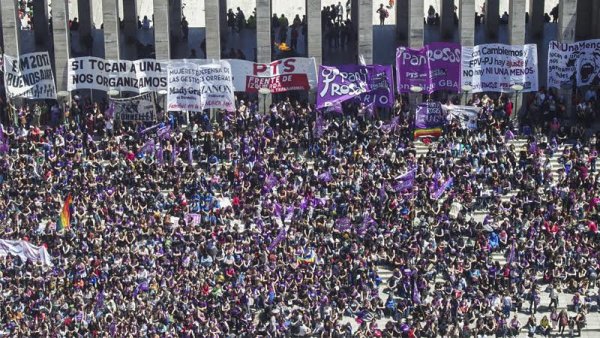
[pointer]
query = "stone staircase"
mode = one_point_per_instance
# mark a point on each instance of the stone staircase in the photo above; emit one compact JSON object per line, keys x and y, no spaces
{"x":593,"y":318}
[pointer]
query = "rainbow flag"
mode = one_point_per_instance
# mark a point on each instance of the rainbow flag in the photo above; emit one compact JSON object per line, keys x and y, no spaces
{"x":64,"y":219}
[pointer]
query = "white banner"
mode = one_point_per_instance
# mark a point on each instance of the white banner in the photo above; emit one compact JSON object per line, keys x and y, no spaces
{"x":25,"y":250}
{"x":150,"y":75}
{"x":138,"y":76}
{"x":497,"y":67}
{"x":30,"y":76}
{"x":279,"y":76}
{"x":574,"y":63}
{"x":466,"y":115}
{"x":194,"y":88}
{"x":138,"y":108}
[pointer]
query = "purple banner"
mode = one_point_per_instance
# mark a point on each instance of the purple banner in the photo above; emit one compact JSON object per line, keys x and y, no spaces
{"x":429,"y":119}
{"x":438,"y":193}
{"x":433,"y":67}
{"x":371,"y":85}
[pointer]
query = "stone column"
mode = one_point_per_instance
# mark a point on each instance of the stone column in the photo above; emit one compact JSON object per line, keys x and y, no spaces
{"x":130,"y":22}
{"x":175,"y":15}
{"x":415,"y":39}
{"x":264,"y":45}
{"x":365,"y":30}
{"x":162,"y":41}
{"x":466,"y":27}
{"x":112,"y":39}
{"x":595,"y":28}
{"x":467,"y":22}
{"x":516,"y":32}
{"x":402,"y":10}
{"x":314,"y":31}
{"x":62,"y":45}
{"x":585,"y":20}
{"x":354,"y":14}
{"x":40,"y":23}
{"x":223,"y":21}
{"x":213,"y":29}
{"x":516,"y":22}
{"x":85,"y":16}
{"x":536,"y":18}
{"x":10,"y":28}
{"x":492,"y":18}
{"x":314,"y":37}
{"x":415,"y":24}
{"x":447,"y":19}
{"x":567,"y":17}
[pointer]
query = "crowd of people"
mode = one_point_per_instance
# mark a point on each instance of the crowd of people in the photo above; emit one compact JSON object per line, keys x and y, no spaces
{"x":279,"y":223}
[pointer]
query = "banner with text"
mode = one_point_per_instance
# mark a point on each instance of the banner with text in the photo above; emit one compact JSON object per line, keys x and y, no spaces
{"x":497,"y":67}
{"x":138,"y":108}
{"x":29,"y":76}
{"x":369,"y":84}
{"x":195,"y":87}
{"x":429,"y":119}
{"x":433,"y":67}
{"x":278,"y":76}
{"x":574,"y":63}
{"x":466,"y":115}
{"x":138,"y":76}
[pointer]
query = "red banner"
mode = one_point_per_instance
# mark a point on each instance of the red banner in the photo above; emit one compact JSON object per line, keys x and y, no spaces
{"x":277,"y":84}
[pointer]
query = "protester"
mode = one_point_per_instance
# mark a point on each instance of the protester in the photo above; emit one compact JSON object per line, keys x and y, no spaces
{"x":278,"y":224}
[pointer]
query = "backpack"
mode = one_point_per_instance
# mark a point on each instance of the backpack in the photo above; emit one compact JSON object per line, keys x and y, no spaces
{"x":386,"y":13}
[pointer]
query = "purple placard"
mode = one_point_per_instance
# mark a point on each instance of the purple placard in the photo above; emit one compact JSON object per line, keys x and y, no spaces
{"x":433,"y":67}
{"x":369,"y":84}
{"x":429,"y":115}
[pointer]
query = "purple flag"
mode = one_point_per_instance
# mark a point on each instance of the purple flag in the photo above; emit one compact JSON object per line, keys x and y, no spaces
{"x":109,"y":113}
{"x":343,"y":224}
{"x":440,"y":191}
{"x":416,"y":293}
{"x":390,"y":127}
{"x":4,"y":147}
{"x":409,"y":175}
{"x":369,"y":84}
{"x":429,"y":119}
{"x":318,"y":130}
{"x":147,"y":147}
{"x":280,"y":237}
{"x":149,"y":129}
{"x":511,"y":254}
{"x":403,"y":185}
{"x":192,"y":219}
{"x":271,"y":181}
{"x":325,"y":177}
{"x":433,"y":67}
{"x":164,"y":133}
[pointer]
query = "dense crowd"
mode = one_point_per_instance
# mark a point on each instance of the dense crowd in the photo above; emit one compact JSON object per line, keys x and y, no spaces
{"x":280,"y":223}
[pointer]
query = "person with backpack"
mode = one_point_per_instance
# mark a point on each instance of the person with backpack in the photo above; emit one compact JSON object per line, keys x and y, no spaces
{"x":383,"y":14}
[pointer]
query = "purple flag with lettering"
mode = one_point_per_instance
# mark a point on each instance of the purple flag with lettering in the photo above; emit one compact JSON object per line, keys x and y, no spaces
{"x":433,"y":67}
{"x":372,"y":84}
{"x":429,"y":119}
